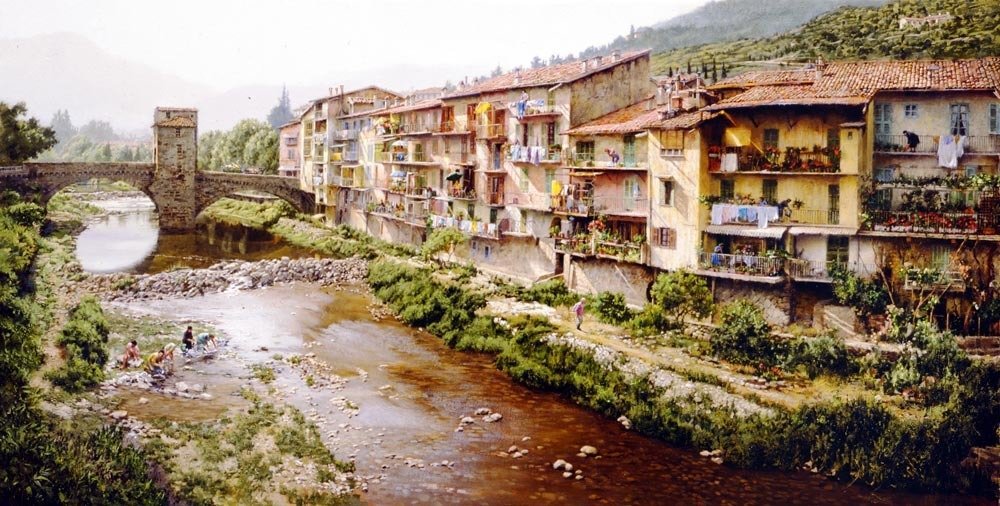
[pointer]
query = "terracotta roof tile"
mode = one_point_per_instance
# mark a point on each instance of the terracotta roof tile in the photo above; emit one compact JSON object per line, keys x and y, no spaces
{"x":637,"y":117}
{"x":544,"y":76}
{"x":177,"y":122}
{"x":790,"y":95}
{"x":766,"y":78}
{"x":419,"y":106}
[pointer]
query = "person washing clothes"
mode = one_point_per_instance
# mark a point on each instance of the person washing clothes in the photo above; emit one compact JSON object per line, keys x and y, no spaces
{"x":912,"y":140}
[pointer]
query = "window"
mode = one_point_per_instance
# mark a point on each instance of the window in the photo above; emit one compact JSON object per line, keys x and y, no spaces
{"x":771,"y":138}
{"x":550,"y":134}
{"x":628,"y":150}
{"x":667,"y":192}
{"x":524,"y":180}
{"x":769,"y":190}
{"x":177,"y":132}
{"x":524,"y":134}
{"x":959,"y":119}
{"x":833,"y":138}
{"x":672,"y":143}
{"x":971,"y":170}
{"x":940,"y":257}
{"x":632,"y":194}
{"x":836,"y":249}
{"x":995,"y":118}
{"x":550,"y":177}
{"x":885,"y":174}
{"x":910,"y":111}
{"x":666,"y":238}
{"x":883,"y":199}
{"x":493,"y":215}
{"x":471,"y":207}
{"x":727,"y":189}
{"x":833,"y":213}
{"x":883,"y":119}
{"x":585,"y":151}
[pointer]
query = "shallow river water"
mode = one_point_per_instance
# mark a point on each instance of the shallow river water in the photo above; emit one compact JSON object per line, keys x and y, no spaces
{"x":412,"y":391}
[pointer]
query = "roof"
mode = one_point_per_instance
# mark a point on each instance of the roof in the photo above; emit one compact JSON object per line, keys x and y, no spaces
{"x":546,"y":76}
{"x":626,"y":120}
{"x":855,"y":83}
{"x":177,"y":122}
{"x":370,"y":112}
{"x":638,"y":117}
{"x":358,"y":90}
{"x":766,"y":78}
{"x":790,"y":95}
{"x":291,"y":123}
{"x":419,"y":106}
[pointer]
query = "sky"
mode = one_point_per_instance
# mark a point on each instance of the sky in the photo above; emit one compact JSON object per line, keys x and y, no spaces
{"x":228,"y":43}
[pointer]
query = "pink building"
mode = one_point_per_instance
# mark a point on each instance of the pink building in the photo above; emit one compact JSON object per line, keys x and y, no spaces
{"x":289,"y":162}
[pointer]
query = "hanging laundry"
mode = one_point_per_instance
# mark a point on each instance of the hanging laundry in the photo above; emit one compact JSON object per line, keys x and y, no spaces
{"x":522,"y":104}
{"x":483,"y":107}
{"x":948,"y":152}
{"x":730,"y":162}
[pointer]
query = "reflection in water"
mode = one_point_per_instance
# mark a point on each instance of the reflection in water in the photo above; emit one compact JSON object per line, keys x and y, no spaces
{"x":128,"y":240}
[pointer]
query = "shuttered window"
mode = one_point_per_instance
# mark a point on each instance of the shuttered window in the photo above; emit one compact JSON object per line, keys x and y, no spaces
{"x":666,"y":237}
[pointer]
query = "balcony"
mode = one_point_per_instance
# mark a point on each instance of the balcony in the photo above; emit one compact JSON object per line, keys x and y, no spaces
{"x":588,"y":160}
{"x":792,"y":161}
{"x":537,"y":201}
{"x":630,"y":252}
{"x":533,"y":154}
{"x":462,"y":193}
{"x":580,"y":245}
{"x":491,"y":131}
{"x":918,"y":279}
{"x":416,"y":158}
{"x":453,"y":128}
{"x":343,"y":135}
{"x":493,"y":199}
{"x":415,"y":129}
{"x":928,"y":145}
{"x":540,"y":112}
{"x":350,"y":156}
{"x":470,"y":227}
{"x":758,"y":215}
{"x":963,"y":223}
{"x":582,"y":204}
{"x":767,"y":269}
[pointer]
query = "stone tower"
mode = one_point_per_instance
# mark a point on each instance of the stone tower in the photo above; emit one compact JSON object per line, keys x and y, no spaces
{"x":175,"y":151}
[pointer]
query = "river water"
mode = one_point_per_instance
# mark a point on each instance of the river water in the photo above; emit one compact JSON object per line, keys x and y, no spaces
{"x":412,"y":391}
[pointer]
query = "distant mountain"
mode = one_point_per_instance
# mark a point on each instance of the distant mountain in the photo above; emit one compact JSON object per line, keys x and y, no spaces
{"x":68,"y":71}
{"x":726,"y":20}
{"x":853,"y":33}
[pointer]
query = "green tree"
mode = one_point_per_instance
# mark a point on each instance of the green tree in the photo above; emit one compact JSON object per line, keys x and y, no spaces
{"x":261,"y":151}
{"x":744,"y":337}
{"x":21,"y":138}
{"x":441,"y":240}
{"x":681,"y":294}
{"x":232,"y":147}
{"x":281,"y":113}
{"x":98,"y":131}
{"x":124,"y":154}
{"x":63,"y":126}
{"x":207,"y":143}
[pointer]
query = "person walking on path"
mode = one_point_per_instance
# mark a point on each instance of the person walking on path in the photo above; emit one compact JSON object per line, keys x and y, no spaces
{"x":578,"y":310}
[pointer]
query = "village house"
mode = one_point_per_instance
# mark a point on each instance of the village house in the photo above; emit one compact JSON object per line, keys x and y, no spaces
{"x":289,"y":159}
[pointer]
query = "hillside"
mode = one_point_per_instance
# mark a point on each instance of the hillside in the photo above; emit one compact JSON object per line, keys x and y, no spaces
{"x":852,"y":33}
{"x":726,"y":20}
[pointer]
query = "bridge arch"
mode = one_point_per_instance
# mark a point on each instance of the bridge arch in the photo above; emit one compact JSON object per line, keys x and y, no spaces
{"x":213,"y":186}
{"x":45,"y":180}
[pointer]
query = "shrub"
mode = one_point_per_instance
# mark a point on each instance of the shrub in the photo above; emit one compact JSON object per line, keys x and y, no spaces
{"x":865,"y":295}
{"x":681,"y":294}
{"x":551,"y":293}
{"x":744,"y":337}
{"x":442,"y":240}
{"x":611,"y":308}
{"x":651,"y":320}
{"x":84,"y":339}
{"x":825,"y":354}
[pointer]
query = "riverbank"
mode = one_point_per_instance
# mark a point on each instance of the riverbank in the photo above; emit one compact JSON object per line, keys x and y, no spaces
{"x":676,"y":391}
{"x":194,"y":459}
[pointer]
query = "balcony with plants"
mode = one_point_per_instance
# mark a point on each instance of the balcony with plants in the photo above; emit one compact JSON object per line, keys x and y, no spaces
{"x":606,"y":160}
{"x":790,"y":161}
{"x":453,"y":127}
{"x":602,"y":239}
{"x":899,"y":144}
{"x":955,"y":205}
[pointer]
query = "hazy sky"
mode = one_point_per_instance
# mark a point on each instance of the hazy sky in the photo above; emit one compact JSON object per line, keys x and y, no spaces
{"x":231,"y":43}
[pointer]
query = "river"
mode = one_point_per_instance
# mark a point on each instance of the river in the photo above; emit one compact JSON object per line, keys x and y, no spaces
{"x":412,"y":391}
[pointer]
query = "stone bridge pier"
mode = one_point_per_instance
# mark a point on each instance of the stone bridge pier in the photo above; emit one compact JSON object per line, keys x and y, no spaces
{"x":173,"y":182}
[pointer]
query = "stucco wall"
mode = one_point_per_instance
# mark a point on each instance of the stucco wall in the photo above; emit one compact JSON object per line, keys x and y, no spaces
{"x":599,"y":275}
{"x":772,"y":299}
{"x":610,"y":90}
{"x":687,"y":216}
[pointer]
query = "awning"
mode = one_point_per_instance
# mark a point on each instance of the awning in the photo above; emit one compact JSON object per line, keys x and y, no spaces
{"x":337,"y":146}
{"x":399,"y":143}
{"x":586,"y":173}
{"x":736,"y":136}
{"x":747,"y":231}
{"x":482,"y":107}
{"x":822,"y":230}
{"x":397,"y":174}
{"x":454,"y":176}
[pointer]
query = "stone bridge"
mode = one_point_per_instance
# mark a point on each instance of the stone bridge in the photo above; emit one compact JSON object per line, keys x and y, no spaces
{"x":178,"y":190}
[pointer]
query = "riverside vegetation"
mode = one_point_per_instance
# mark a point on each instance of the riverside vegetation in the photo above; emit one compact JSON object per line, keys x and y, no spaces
{"x":907,"y":420}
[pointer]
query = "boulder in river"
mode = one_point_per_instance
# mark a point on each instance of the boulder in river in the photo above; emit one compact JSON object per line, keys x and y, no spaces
{"x":588,"y":450}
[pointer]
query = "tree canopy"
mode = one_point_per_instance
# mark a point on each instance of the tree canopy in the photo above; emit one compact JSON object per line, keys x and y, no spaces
{"x":251,"y":144}
{"x":21,"y":138}
{"x":281,"y":113}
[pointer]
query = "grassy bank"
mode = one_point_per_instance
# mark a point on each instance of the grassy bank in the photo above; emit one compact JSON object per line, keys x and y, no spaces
{"x":853,"y":440}
{"x":48,"y":460}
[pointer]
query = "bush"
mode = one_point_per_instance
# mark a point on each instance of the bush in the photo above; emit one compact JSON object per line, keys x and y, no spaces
{"x":825,"y":354}
{"x":651,"y":320}
{"x":681,"y":294}
{"x":611,"y":308}
{"x":866,"y":296}
{"x":442,"y":240}
{"x":744,"y":337}
{"x":551,"y":293}
{"x":84,"y":339}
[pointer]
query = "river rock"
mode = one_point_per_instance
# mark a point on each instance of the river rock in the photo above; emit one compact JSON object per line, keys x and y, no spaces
{"x":492,"y":417}
{"x":197,"y":387}
{"x":483,"y":411}
{"x":180,"y":386}
{"x":468,"y":420}
{"x":588,"y":450}
{"x":143,"y":400}
{"x":558,"y":464}
{"x":567,"y":474}
{"x":118,"y":415}
{"x":625,"y":422}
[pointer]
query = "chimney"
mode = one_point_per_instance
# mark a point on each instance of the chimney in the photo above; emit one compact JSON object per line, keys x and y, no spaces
{"x":584,"y":64}
{"x":597,"y":61}
{"x":820,"y":67}
{"x":616,"y":55}
{"x":331,"y":91}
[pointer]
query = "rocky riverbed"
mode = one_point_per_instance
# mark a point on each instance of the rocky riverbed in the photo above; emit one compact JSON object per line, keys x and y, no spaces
{"x":223,"y":276}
